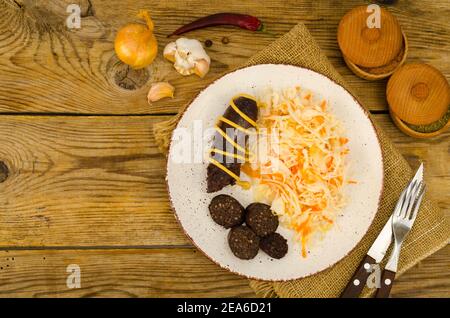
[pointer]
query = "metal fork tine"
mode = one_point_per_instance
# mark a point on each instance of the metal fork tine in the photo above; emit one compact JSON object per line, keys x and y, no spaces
{"x":403,"y":199}
{"x":410,"y":197}
{"x":414,"y":196}
{"x":400,"y":202}
{"x":413,"y":214}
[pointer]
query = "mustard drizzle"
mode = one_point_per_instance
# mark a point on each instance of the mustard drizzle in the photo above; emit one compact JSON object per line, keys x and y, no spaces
{"x":230,"y":140}
{"x":228,"y":154}
{"x":236,"y":126}
{"x":244,"y":184}
{"x":237,"y":110}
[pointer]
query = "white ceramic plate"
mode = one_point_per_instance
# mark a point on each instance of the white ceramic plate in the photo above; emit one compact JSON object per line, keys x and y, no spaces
{"x":187,"y":181}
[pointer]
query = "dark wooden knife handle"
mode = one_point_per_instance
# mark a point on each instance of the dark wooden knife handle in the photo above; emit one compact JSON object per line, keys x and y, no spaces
{"x":387,"y":279}
{"x":359,"y":279}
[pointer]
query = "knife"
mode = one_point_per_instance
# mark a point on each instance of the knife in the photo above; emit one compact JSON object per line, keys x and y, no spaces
{"x":377,"y":251}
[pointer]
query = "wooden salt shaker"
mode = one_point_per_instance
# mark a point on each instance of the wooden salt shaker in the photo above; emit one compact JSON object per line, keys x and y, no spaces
{"x":371,"y":53}
{"x":419,"y":95}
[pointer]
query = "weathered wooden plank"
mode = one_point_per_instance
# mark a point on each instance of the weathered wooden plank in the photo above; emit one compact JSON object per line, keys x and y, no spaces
{"x":117,"y":273}
{"x":84,"y":181}
{"x":44,"y":67}
{"x":165,"y":273}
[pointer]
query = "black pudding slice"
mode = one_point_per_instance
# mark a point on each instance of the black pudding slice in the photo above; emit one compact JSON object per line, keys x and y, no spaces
{"x":261,"y":219}
{"x":243,"y":242}
{"x":274,"y":245}
{"x":226,"y":211}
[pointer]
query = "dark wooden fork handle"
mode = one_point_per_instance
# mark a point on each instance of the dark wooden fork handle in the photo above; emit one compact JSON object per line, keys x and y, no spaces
{"x":359,"y":279}
{"x":387,"y":279}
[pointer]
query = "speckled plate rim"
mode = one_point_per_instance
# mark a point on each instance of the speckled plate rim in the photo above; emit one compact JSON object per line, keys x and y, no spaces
{"x":382,"y":181}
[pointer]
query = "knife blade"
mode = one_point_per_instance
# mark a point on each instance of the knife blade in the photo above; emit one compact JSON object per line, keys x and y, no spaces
{"x":378,"y":249}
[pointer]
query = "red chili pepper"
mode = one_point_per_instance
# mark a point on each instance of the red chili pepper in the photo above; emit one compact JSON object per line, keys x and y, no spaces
{"x":243,"y":21}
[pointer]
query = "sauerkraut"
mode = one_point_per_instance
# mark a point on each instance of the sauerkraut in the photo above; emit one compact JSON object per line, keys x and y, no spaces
{"x":301,"y":169}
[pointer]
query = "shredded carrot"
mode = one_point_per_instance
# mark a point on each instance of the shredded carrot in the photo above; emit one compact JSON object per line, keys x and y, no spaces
{"x":343,"y":141}
{"x":247,"y":169}
{"x":304,"y":254}
{"x":327,"y":219}
{"x":329,"y":162}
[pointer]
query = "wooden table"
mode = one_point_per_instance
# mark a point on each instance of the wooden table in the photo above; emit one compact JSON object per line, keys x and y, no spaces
{"x":82,"y":181}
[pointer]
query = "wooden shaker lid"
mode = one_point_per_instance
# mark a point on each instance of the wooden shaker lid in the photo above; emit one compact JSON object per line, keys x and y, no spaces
{"x":418,"y":94}
{"x":369,"y":47}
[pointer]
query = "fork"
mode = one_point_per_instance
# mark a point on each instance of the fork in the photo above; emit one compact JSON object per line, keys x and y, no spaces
{"x":402,"y":222}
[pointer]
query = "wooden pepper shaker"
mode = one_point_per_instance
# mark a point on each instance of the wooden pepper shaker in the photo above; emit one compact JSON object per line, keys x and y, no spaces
{"x":371,"y":53}
{"x":419,"y":97}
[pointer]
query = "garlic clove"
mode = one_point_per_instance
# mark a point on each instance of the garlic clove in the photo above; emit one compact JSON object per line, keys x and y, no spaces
{"x":169,"y":51}
{"x":183,"y":70}
{"x":160,"y":90}
{"x":201,"y":67}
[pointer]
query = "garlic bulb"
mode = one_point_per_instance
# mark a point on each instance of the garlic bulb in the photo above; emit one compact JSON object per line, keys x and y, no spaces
{"x":188,"y":57}
{"x":160,"y":90}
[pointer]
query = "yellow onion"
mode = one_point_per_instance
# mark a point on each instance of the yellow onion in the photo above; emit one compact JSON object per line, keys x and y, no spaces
{"x":135,"y":44}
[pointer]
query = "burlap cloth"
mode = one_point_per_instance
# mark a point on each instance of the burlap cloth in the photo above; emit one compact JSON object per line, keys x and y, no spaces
{"x":431,"y":230}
